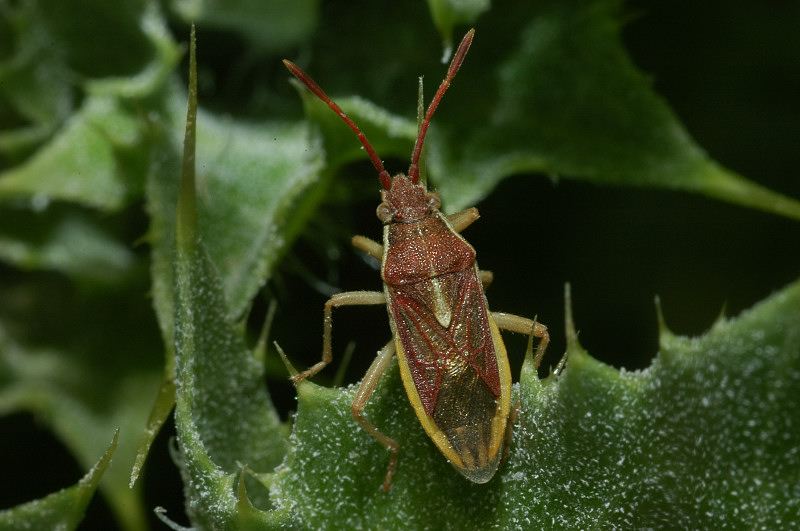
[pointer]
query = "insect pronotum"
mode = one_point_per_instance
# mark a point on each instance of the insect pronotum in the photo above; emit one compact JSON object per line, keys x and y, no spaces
{"x":452,"y":359}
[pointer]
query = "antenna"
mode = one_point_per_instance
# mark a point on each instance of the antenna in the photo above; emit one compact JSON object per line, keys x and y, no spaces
{"x":413,"y":170}
{"x":383,"y":175}
{"x":455,"y":64}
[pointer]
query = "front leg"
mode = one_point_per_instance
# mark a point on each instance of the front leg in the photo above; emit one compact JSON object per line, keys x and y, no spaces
{"x":465,"y":218}
{"x":371,"y":247}
{"x":348,"y":298}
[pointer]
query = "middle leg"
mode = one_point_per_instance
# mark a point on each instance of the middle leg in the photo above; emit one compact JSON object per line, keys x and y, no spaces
{"x":348,"y":298}
{"x":523,"y":325}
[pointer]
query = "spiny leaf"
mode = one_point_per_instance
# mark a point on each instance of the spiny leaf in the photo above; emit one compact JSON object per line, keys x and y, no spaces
{"x":223,"y":415}
{"x":706,"y":436}
{"x":63,"y":509}
{"x":83,"y":370}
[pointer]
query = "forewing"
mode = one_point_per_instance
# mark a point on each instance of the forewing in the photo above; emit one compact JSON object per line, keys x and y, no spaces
{"x":460,"y":357}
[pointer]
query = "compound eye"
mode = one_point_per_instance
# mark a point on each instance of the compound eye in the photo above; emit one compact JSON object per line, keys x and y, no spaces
{"x":385,"y":212}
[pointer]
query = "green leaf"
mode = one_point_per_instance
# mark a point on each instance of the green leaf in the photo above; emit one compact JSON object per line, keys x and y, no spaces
{"x":566,"y":100}
{"x":93,"y":156}
{"x":34,"y":82}
{"x":79,"y":350}
{"x":123,"y":35}
{"x":223,"y":414}
{"x":80,"y":164}
{"x":254,"y":197}
{"x":85,"y":364}
{"x":65,"y":240}
{"x":252,"y":202}
{"x":255,"y":194}
{"x":267,"y":25}
{"x":63,"y":509}
{"x":447,"y":14}
{"x":706,"y":436}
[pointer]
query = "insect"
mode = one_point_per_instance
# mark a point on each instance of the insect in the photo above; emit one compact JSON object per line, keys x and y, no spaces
{"x":452,"y":359}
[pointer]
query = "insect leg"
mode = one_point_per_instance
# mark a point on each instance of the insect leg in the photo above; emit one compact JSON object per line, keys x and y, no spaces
{"x":486,"y":278}
{"x":465,"y":218}
{"x":371,"y":247}
{"x":522,"y":325}
{"x":363,"y":395}
{"x":348,"y":298}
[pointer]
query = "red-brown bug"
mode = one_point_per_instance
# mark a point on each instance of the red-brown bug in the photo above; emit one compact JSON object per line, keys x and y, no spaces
{"x":452,"y":359}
